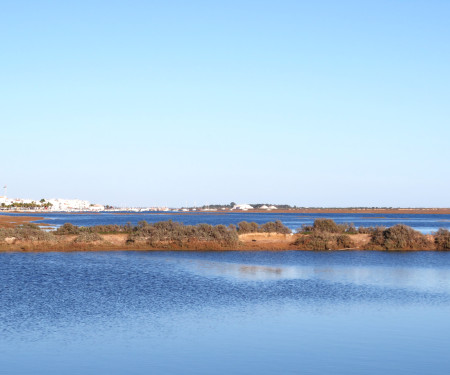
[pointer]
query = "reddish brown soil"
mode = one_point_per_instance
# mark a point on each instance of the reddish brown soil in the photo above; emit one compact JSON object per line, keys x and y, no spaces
{"x":13,"y":221}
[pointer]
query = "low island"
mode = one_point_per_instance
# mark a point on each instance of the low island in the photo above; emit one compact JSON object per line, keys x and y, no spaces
{"x":22,"y":235}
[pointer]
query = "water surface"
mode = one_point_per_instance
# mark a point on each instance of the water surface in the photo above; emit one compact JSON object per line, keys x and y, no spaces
{"x":225,"y":312}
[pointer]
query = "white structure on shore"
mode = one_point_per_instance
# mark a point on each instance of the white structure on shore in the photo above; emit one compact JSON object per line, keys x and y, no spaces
{"x":56,"y":204}
{"x":68,"y":205}
{"x":243,"y":207}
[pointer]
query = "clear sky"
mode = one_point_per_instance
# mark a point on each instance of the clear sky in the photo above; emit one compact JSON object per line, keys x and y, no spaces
{"x":313,"y":103}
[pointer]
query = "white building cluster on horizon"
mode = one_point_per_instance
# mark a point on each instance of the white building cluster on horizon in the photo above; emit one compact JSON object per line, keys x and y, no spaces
{"x":57,"y":204}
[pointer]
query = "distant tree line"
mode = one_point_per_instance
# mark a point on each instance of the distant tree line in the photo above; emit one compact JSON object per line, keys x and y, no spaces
{"x":26,"y":206}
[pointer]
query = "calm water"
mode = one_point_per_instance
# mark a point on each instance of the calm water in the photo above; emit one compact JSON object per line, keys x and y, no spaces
{"x":225,"y":313}
{"x":423,"y":223}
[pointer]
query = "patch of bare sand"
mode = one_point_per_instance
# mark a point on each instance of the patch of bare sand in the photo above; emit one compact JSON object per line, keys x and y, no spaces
{"x":115,"y":239}
{"x":265,"y":237}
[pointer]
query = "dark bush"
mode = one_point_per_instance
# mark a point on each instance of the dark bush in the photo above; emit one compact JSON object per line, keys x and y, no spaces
{"x":67,"y":228}
{"x":366,"y":230}
{"x":399,"y":237}
{"x":343,"y":241}
{"x":270,"y":227}
{"x":326,"y":225}
{"x":316,"y":241}
{"x":173,"y":232}
{"x":305,"y":229}
{"x":275,"y":227}
{"x":442,"y":239}
{"x":27,"y":232}
{"x":246,"y":227}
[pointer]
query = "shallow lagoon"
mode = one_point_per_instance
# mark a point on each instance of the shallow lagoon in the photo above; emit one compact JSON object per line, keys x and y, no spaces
{"x":225,"y":312}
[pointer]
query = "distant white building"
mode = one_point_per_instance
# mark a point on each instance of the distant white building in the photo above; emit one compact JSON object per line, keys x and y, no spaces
{"x":243,"y":207}
{"x":56,"y":204}
{"x":69,"y":204}
{"x":264,"y":207}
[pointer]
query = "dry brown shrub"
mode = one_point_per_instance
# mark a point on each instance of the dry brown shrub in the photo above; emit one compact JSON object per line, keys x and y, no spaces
{"x":323,"y":241}
{"x":399,"y":237}
{"x":442,"y":239}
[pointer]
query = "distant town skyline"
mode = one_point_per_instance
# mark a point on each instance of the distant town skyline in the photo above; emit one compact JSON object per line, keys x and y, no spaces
{"x":333,"y":104}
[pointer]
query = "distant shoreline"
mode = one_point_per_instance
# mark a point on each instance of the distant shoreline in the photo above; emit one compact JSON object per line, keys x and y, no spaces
{"x":415,"y":211}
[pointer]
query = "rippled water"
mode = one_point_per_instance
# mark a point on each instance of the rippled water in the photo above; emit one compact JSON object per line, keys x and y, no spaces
{"x":225,"y":312}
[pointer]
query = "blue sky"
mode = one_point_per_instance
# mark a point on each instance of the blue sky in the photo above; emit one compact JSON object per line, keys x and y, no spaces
{"x":314,"y":103}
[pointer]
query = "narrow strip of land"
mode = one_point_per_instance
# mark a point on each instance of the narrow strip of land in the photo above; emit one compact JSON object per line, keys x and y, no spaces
{"x":8,"y":221}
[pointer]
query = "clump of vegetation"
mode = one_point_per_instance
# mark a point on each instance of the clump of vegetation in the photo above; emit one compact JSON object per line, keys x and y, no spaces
{"x":67,"y":228}
{"x":324,"y":241}
{"x":343,"y":241}
{"x":366,"y":230}
{"x":246,"y":227}
{"x":275,"y":227}
{"x":398,"y":237}
{"x":87,"y":237}
{"x":328,"y":226}
{"x":173,"y":232}
{"x":109,"y":228}
{"x":26,"y":232}
{"x":442,"y":239}
{"x":270,"y":227}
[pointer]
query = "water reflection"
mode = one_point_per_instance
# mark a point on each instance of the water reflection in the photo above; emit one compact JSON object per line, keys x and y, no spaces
{"x":415,"y":278}
{"x":219,"y":313}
